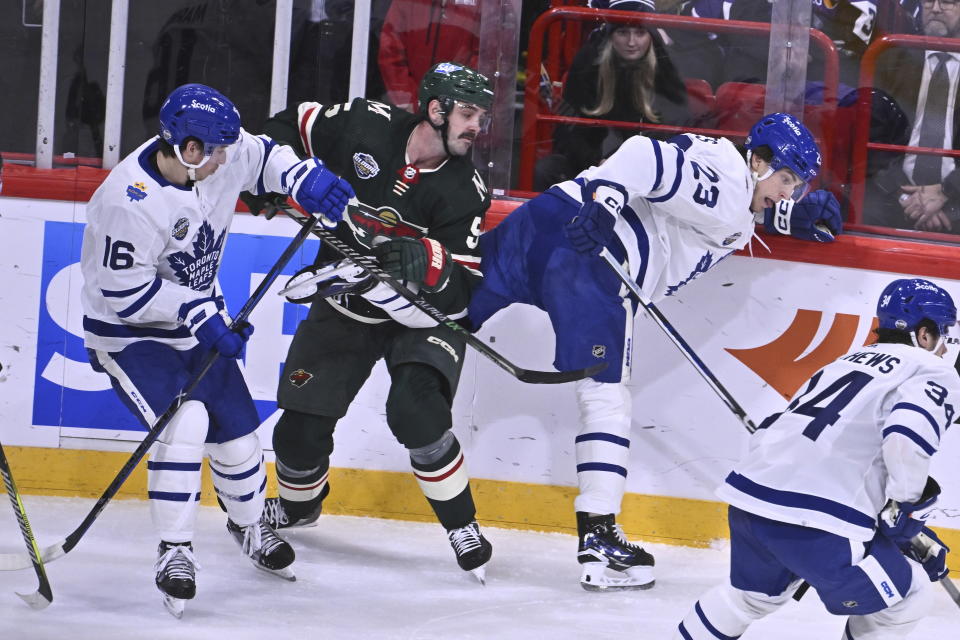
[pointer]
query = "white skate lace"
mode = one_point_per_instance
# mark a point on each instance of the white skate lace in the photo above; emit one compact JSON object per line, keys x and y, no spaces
{"x":273,"y":513}
{"x":178,"y":561}
{"x":465,"y":539}
{"x":260,"y":538}
{"x":618,"y":532}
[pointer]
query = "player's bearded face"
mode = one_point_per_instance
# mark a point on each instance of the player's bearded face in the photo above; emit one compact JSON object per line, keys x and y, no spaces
{"x":465,"y":122}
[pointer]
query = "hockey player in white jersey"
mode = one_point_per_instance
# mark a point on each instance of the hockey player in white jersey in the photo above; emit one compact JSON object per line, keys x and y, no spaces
{"x":155,"y":235}
{"x":668,"y":212}
{"x":834,"y":490}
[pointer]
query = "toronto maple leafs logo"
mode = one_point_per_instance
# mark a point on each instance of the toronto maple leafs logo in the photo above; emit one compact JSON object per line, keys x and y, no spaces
{"x":197,"y":269}
{"x":705,"y":263}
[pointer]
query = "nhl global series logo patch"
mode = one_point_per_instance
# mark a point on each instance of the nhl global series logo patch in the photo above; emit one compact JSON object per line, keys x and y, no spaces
{"x":299,"y":378}
{"x":365,"y":166}
{"x":180,"y":229}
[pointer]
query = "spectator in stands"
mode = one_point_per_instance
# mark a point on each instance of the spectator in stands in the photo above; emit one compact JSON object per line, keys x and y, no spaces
{"x":419,"y":33}
{"x":622,"y":73}
{"x":923,"y":191}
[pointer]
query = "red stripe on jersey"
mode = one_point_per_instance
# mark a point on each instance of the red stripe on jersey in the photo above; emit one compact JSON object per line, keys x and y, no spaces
{"x":444,"y":476}
{"x":304,"y":134}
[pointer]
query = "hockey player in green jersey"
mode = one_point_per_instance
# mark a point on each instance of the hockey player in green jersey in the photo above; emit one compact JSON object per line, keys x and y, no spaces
{"x":420,"y":196}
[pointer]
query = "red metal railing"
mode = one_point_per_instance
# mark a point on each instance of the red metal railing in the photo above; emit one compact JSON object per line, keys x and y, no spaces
{"x":861,"y":140}
{"x":535,"y":123}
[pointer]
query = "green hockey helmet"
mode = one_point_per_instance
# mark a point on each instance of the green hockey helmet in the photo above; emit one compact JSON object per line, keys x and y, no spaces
{"x":457,"y":82}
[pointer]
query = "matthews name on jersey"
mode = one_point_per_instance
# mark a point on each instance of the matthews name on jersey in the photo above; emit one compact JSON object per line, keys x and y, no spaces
{"x":862,"y":431}
{"x":693,"y":183}
{"x":365,"y":142}
{"x":149,"y":245}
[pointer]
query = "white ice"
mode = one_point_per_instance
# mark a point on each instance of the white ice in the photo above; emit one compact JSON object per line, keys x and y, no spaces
{"x":365,"y":578}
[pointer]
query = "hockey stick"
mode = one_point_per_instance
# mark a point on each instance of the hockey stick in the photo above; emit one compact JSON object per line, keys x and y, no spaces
{"x":18,"y":561}
{"x":371,"y":266}
{"x":680,"y":343}
{"x":43,"y":596}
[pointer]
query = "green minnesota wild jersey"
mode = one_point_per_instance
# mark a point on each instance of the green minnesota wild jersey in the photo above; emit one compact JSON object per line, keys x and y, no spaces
{"x":365,"y":142}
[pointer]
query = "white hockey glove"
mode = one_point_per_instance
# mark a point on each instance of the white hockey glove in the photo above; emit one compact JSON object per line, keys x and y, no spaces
{"x":343,"y":277}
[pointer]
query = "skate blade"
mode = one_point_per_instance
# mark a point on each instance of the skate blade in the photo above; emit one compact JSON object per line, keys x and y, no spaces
{"x":286,"y":573}
{"x":596,"y":577}
{"x":174,"y":605}
{"x":480,"y":573}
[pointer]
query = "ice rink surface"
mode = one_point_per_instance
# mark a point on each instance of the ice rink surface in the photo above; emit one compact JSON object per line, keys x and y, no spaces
{"x":360,"y":578}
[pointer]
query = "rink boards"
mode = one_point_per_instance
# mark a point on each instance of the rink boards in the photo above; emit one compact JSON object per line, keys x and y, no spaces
{"x":763,"y":325}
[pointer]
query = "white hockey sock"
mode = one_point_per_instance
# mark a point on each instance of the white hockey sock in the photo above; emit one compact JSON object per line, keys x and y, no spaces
{"x":173,"y":473}
{"x":602,"y":446}
{"x":239,"y":477}
{"x":726,"y":612}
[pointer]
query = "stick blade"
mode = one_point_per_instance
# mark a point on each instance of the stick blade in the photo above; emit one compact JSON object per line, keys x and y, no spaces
{"x":40,"y":599}
{"x":559,"y":377}
{"x":20,"y":561}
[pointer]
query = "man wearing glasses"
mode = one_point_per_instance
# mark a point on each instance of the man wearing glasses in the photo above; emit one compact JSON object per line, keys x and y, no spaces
{"x":923,"y":191}
{"x":419,"y":209}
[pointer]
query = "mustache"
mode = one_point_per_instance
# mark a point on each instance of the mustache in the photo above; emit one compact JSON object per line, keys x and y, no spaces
{"x":468,"y":136}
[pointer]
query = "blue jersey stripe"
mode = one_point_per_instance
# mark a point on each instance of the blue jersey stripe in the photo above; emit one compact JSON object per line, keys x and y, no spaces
{"x":268,"y":145}
{"x":683,"y":632}
{"x":247,"y":497}
{"x":796,"y":500}
{"x":108,"y":330}
{"x":123,"y":294}
{"x":659,"y":156}
{"x":678,"y":176}
{"x":914,"y":436}
{"x":909,"y":406}
{"x":606,"y":437}
{"x":142,"y":300}
{"x":173,"y":466}
{"x":602,"y":466}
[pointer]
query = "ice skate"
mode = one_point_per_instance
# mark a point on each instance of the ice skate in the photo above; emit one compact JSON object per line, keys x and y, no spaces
{"x":472,"y":549}
{"x":266,"y":550}
{"x":276,"y":517}
{"x":176,"y":575}
{"x":610,"y":563}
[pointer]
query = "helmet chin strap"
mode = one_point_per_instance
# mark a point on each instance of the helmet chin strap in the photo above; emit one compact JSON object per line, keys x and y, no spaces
{"x":754,"y":176}
{"x":443,"y":130}
{"x":191,"y":168}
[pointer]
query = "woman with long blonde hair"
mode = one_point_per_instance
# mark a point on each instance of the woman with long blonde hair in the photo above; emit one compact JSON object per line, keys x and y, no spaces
{"x":622,"y":73}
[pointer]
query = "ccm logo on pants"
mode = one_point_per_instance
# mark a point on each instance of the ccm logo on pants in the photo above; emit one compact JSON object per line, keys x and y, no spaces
{"x":446,"y":347}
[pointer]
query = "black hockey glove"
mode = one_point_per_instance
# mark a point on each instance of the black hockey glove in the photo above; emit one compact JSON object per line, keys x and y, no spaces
{"x":268,"y":204}
{"x":424,"y":262}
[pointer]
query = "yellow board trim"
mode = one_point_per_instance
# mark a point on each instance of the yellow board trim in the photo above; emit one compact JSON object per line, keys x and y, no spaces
{"x":391,"y":494}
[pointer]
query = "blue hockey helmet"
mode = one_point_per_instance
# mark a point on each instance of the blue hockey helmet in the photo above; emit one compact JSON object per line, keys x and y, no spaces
{"x":792,"y":145}
{"x":197,"y":111}
{"x":905,"y":302}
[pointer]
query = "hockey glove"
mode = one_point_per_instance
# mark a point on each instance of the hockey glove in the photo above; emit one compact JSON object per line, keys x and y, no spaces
{"x":205,"y":319}
{"x":592,"y":228}
{"x":334,"y":278}
{"x":318,"y":190}
{"x":816,"y":217}
{"x":929,"y":550}
{"x":268,"y":204}
{"x":424,"y":262}
{"x":900,"y":522}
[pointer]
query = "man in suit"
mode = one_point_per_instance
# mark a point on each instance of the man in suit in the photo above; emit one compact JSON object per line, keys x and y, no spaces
{"x":923,"y":191}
